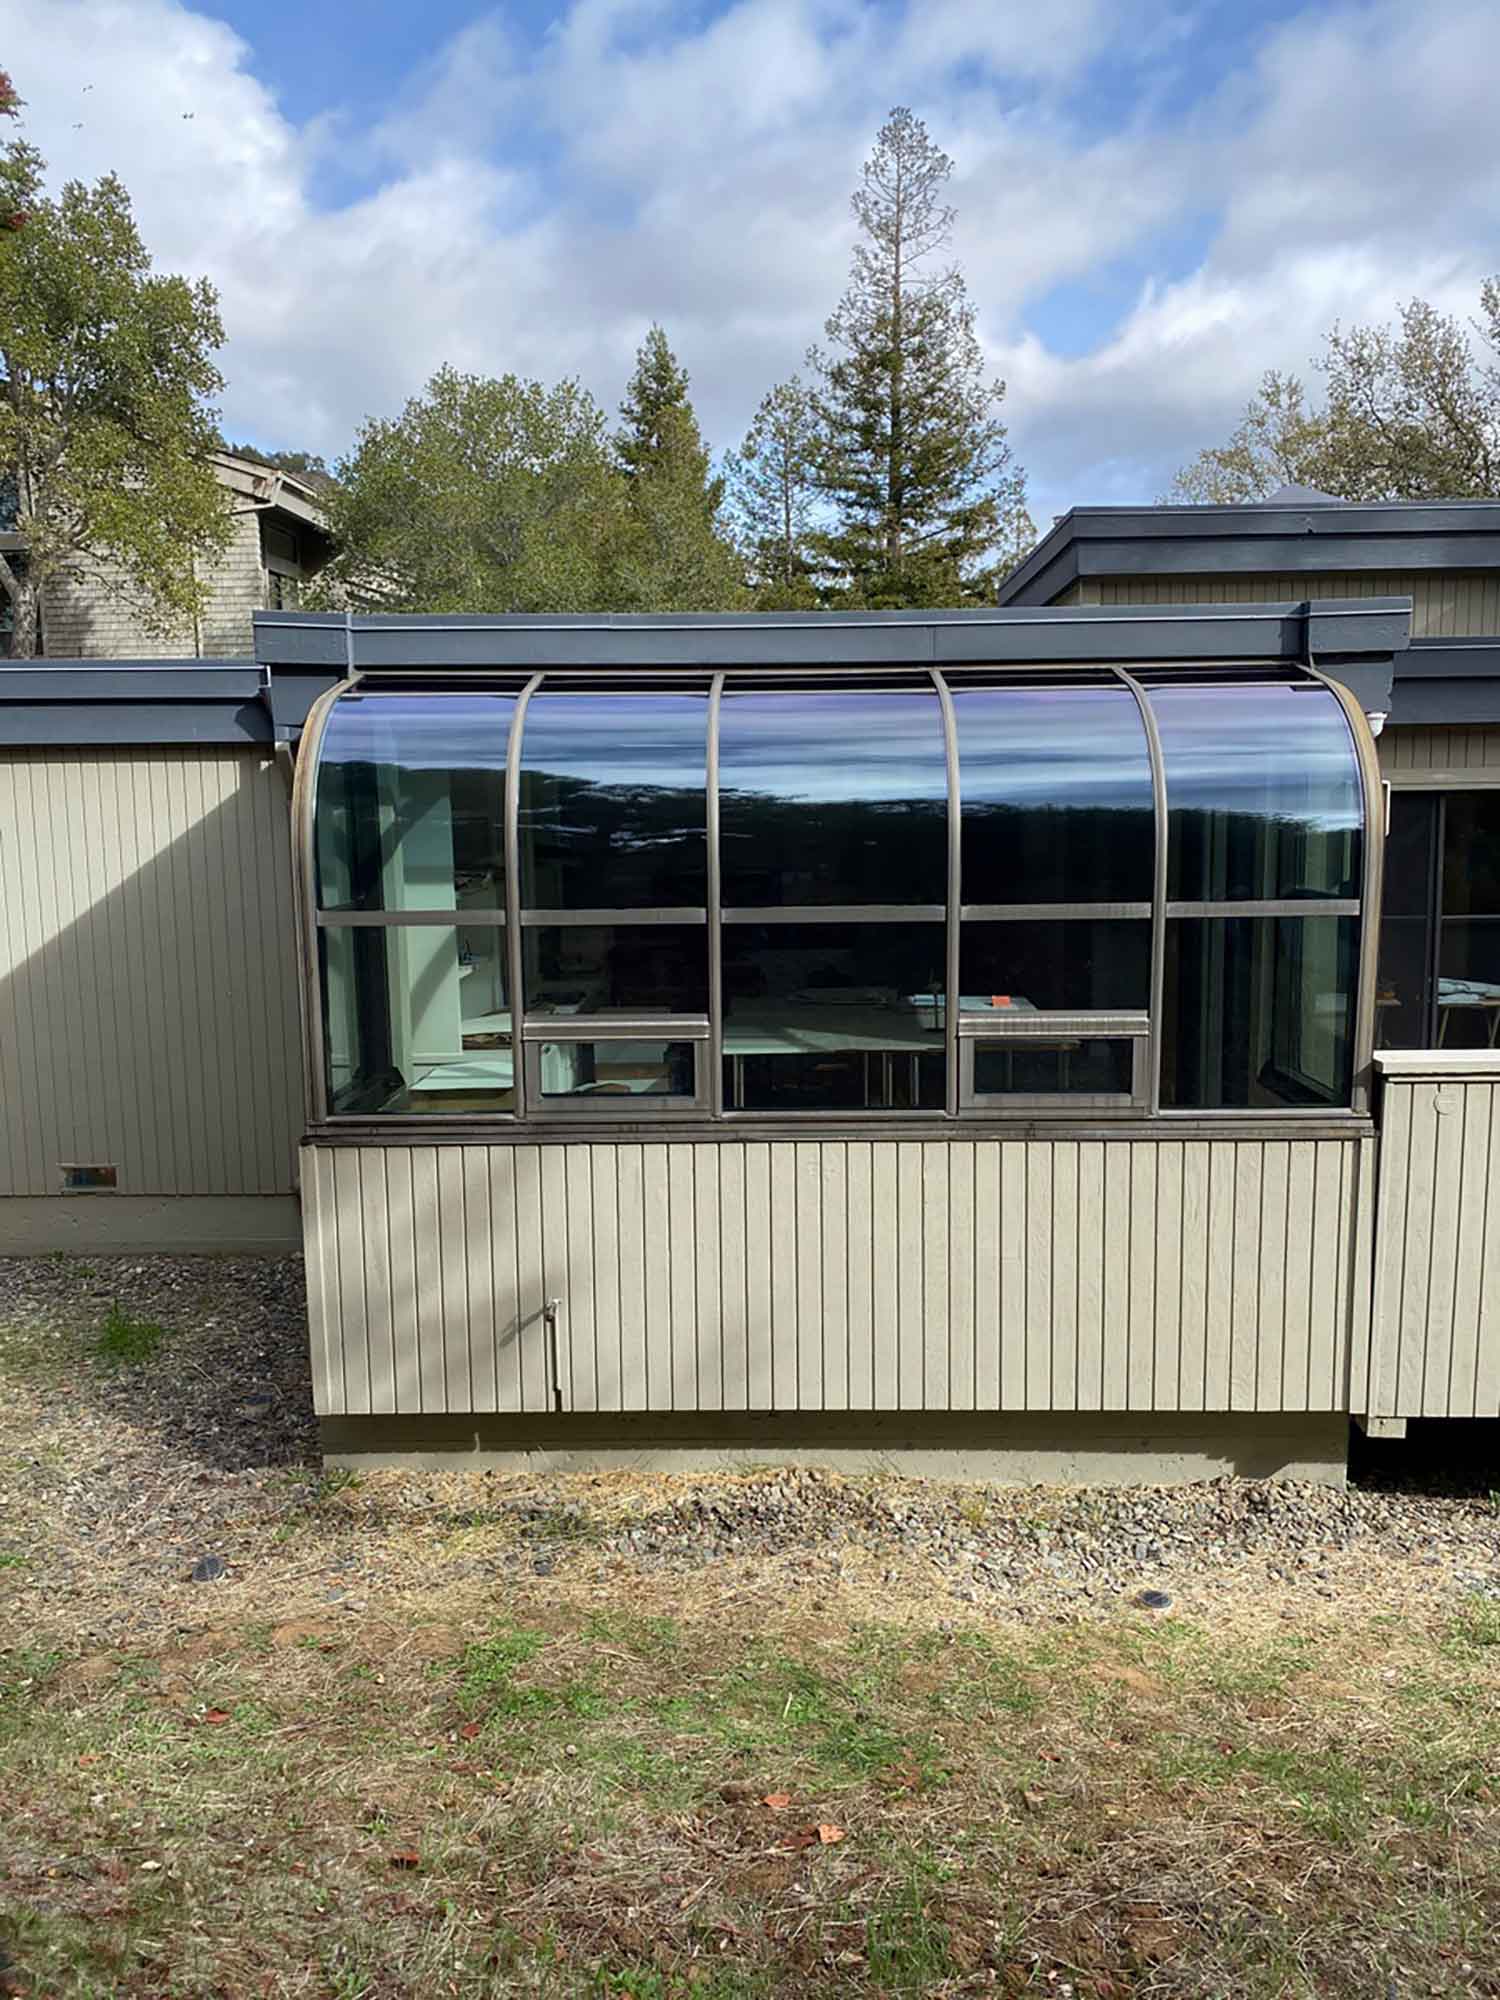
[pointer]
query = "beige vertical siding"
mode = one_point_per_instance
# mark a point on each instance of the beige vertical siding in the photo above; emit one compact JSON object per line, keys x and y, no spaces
{"x":1444,"y":606}
{"x":148,"y":988}
{"x":1435,"y":1350}
{"x":1436,"y":758}
{"x":840,"y":1275}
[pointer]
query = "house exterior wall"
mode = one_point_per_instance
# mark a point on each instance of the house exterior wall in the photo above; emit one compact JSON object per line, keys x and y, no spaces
{"x":1441,"y":759}
{"x":1435,"y":1350}
{"x":148,"y":986}
{"x":841,"y":1275}
{"x":99,"y":618}
{"x":1445,"y":604}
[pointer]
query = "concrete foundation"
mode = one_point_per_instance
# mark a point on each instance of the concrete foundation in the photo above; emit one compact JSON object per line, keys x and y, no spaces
{"x":1056,"y":1449}
{"x":235,"y":1224}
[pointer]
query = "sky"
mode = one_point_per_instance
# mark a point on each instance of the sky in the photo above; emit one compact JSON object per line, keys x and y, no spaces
{"x":1156,"y":202}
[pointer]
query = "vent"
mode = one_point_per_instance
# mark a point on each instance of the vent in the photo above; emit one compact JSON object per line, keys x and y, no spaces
{"x":89,"y":1180}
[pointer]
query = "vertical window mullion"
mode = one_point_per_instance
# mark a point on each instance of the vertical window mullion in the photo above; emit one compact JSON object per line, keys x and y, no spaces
{"x":1159,"y":891}
{"x":511,"y":805}
{"x":954,"y":895}
{"x":714,"y":1055}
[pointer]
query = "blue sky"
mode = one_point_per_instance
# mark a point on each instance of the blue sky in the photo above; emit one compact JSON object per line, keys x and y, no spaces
{"x":1156,"y":201}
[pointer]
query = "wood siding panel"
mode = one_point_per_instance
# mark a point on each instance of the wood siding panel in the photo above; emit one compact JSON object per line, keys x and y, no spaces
{"x":991,"y":1275}
{"x":1435,"y":1343}
{"x":1455,"y":605}
{"x":148,"y":986}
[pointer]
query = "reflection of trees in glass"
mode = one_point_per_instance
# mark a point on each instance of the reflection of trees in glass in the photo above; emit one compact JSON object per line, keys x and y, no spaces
{"x":1277,"y":853}
{"x":1068,"y":852}
{"x":612,"y":844}
{"x":777,"y":850}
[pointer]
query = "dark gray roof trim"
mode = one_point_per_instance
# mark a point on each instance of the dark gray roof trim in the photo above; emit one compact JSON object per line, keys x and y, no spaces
{"x":1455,"y":682}
{"x":1268,"y":540}
{"x":1141,"y":633}
{"x":84,"y":702}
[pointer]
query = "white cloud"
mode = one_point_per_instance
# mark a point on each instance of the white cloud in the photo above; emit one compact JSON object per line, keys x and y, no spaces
{"x":534,"y":206}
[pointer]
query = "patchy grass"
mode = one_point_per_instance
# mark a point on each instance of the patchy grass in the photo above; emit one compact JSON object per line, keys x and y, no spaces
{"x":127,"y":1341}
{"x":614,"y":1800}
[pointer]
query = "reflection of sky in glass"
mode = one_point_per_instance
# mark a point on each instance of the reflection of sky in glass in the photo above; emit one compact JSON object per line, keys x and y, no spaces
{"x":421,"y":732}
{"x":860,"y":747}
{"x":1280,"y":753}
{"x":619,"y":739}
{"x":1063,"y":747}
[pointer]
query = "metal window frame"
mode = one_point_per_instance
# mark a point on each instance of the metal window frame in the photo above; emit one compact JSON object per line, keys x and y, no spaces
{"x":1125,"y":1025}
{"x":707,"y":1032}
{"x":628,"y":1107}
{"x":686,"y":914}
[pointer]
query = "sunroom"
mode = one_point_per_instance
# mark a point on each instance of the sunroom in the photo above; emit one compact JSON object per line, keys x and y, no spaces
{"x":940,"y":1034}
{"x":575,"y":902}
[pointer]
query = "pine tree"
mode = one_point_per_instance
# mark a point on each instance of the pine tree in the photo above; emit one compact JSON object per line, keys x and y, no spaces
{"x":676,"y":558}
{"x":772,"y":482}
{"x":929,"y":500}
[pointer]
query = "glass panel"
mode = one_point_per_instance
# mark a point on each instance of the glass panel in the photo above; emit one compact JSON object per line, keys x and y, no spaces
{"x":415,"y":1019}
{"x":408,"y":813}
{"x":616,"y":968}
{"x":831,"y":797}
{"x":616,"y":1069}
{"x":1468,"y":995}
{"x":1056,"y":790}
{"x":1259,"y":1012}
{"x":1263,"y":793}
{"x":1069,"y":964}
{"x":613,"y":807}
{"x":1403,"y":984}
{"x":1407,"y":887}
{"x":833,"y":1017}
{"x":1023,"y":1067}
{"x":1471,"y":854}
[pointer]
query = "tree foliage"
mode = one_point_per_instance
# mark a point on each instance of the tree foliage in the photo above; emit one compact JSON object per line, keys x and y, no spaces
{"x":485,"y":494}
{"x":675,"y":557}
{"x":1410,"y":412}
{"x":106,"y":370}
{"x":772,"y":487}
{"x":914,"y":461}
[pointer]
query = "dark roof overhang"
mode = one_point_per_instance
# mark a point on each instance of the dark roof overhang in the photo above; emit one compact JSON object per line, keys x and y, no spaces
{"x":1321,"y":536}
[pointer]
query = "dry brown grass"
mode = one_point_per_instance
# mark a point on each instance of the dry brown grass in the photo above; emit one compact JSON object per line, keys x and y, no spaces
{"x":559,"y":1788}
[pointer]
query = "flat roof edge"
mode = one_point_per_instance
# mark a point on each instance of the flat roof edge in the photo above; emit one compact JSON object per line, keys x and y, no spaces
{"x":1326,"y":535}
{"x":836,"y":639}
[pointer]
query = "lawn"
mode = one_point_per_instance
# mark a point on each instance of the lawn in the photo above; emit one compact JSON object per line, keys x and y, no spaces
{"x":500,"y":1757}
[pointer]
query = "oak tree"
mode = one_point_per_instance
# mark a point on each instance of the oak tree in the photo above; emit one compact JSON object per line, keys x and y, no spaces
{"x":106,"y":430}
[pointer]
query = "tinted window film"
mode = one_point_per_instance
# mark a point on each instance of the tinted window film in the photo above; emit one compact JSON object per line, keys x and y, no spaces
{"x":830,"y":798}
{"x":409,"y":802}
{"x":1067,"y":965}
{"x":1259,"y":1012}
{"x":613,"y":801}
{"x":1468,"y":986}
{"x":616,"y":1069}
{"x":1471,"y":854}
{"x":616,"y":969}
{"x":1056,"y":791}
{"x":1073,"y":1064}
{"x":836,"y":1017}
{"x":1263,"y":793}
{"x":416,"y":1019}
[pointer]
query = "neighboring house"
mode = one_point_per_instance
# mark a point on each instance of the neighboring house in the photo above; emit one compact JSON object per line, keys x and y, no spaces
{"x":279,"y":540}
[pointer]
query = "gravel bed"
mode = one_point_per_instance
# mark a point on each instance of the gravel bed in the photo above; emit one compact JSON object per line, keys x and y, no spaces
{"x":115,"y":1481}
